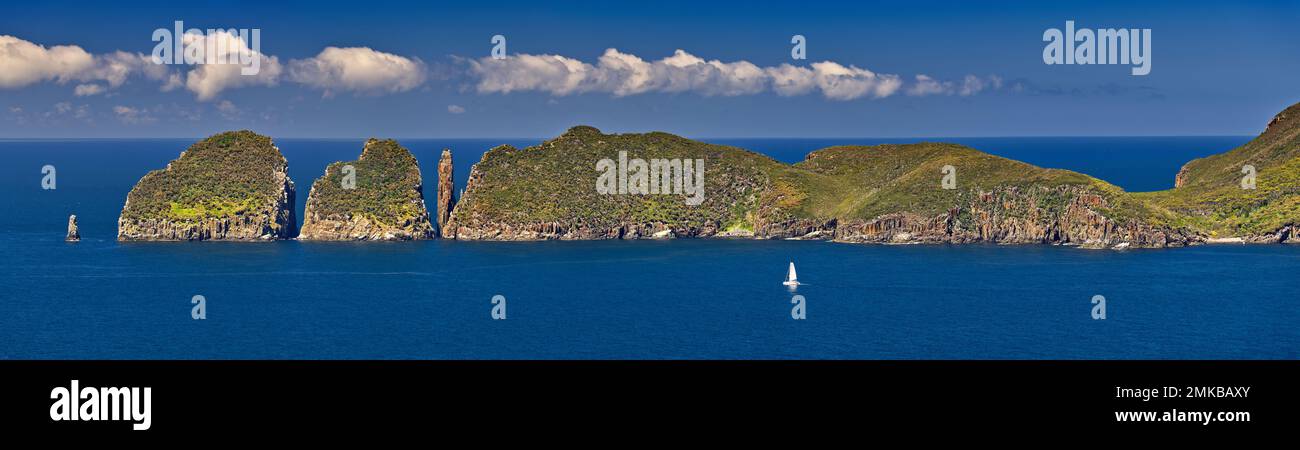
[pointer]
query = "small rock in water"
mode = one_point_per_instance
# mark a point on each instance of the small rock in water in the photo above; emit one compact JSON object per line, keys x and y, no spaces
{"x":74,"y":235}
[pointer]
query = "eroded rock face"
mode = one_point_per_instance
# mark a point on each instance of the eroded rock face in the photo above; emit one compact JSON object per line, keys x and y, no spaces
{"x":233,"y":186}
{"x":1181,"y":178}
{"x":74,"y":235}
{"x":763,"y":199}
{"x":1289,"y":234}
{"x":1014,"y":216}
{"x":378,"y":197}
{"x":446,"y":187}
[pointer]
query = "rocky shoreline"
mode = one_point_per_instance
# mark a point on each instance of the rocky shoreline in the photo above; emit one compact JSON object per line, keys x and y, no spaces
{"x":163,"y":206}
{"x":378,"y":197}
{"x":235,"y":187}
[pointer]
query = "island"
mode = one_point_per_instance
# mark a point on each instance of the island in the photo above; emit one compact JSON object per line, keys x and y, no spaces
{"x":233,"y":186}
{"x":586,"y":184}
{"x":378,"y":197}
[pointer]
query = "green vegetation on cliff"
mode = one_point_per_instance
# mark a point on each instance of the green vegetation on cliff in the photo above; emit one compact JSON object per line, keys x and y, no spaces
{"x":881,"y":179}
{"x":885,"y":193}
{"x":387,"y":187}
{"x":223,"y":176}
{"x":554,"y":182}
{"x":1210,"y":196}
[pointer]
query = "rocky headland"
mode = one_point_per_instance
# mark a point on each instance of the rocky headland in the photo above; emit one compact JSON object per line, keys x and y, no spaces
{"x":585,"y":184}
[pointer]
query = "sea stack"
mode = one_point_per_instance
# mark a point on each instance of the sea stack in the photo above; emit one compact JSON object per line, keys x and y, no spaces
{"x":74,"y":235}
{"x":446,"y":184}
{"x":232,"y":186}
{"x":378,"y":197}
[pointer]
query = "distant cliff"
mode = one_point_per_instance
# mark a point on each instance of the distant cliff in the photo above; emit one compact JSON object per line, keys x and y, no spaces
{"x":378,"y":197}
{"x":231,"y":186}
{"x":887,"y":194}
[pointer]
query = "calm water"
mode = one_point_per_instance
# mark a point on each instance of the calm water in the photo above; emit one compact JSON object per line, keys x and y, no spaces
{"x":677,"y":299}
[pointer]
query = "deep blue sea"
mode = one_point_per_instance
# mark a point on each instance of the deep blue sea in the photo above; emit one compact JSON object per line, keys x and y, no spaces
{"x":638,"y":299}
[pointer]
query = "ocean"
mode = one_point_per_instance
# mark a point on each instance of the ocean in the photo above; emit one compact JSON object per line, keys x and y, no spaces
{"x":99,"y":299}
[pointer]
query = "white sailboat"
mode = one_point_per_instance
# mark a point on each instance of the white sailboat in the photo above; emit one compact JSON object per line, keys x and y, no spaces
{"x":791,"y":279}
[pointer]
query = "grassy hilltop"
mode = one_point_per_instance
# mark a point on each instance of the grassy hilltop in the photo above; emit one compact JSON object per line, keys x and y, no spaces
{"x":884,"y":193}
{"x":548,"y":191}
{"x":1210,"y":197}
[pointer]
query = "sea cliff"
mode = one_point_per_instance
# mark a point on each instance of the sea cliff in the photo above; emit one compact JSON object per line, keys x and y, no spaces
{"x":880,"y":194}
{"x":378,"y":197}
{"x":586,"y":184}
{"x":232,"y":186}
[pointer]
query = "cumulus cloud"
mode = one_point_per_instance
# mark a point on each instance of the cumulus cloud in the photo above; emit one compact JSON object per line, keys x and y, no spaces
{"x":367,"y":71}
{"x":23,"y":63}
{"x":455,"y":109}
{"x":835,"y":81}
{"x":358,"y":69}
{"x":207,"y":80}
{"x":622,"y":74}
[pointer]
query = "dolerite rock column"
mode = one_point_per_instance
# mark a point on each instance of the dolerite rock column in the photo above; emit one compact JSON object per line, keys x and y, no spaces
{"x":446,"y":185}
{"x":74,"y":235}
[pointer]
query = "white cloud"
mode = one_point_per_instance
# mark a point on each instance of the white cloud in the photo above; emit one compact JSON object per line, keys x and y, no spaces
{"x":617,"y":73}
{"x":622,"y":74}
{"x":364,"y":70}
{"x":23,"y":63}
{"x":969,"y":85}
{"x":835,"y":81}
{"x":85,"y":90}
{"x":130,"y":115}
{"x":358,"y":69}
{"x":208,"y":80}
{"x":455,"y":109}
{"x":925,"y":85}
{"x":550,"y":73}
{"x":972,"y":85}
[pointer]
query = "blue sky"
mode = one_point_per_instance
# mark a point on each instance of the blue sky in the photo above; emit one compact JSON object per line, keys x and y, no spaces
{"x":1218,"y":68}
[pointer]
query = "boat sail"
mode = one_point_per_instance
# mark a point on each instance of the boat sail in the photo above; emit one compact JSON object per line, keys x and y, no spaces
{"x":791,"y":279}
